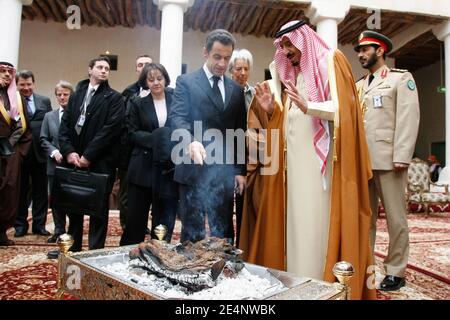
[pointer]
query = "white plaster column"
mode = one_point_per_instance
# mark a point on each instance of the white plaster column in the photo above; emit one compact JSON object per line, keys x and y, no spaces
{"x":442,"y":32}
{"x":171,"y":49}
{"x":10,"y":23}
{"x":326,"y":15}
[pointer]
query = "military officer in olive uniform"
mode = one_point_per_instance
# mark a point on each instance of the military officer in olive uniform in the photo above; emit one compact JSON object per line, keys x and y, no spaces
{"x":391,"y":118}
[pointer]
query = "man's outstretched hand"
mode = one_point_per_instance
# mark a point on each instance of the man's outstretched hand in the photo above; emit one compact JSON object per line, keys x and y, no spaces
{"x":265,"y":98}
{"x":296,"y":97}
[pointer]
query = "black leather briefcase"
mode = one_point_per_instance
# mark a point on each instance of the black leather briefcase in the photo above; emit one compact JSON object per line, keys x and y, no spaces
{"x":80,"y":192}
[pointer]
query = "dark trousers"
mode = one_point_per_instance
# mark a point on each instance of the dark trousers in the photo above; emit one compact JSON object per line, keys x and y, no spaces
{"x":139,"y":201}
{"x":59,"y":218}
{"x":37,"y":171}
{"x":122,"y":175}
{"x":214,"y":199}
{"x":98,"y":228}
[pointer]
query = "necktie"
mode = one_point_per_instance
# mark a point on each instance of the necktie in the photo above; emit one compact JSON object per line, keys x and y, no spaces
{"x":29,"y":109}
{"x":371,"y":78}
{"x":216,"y":91}
{"x":82,"y":116}
{"x":88,"y":98}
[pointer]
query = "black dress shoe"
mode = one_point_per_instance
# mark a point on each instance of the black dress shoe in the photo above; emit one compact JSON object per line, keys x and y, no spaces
{"x":392,"y":283}
{"x":41,"y":232}
{"x":20,"y":233}
{"x":6,"y":243}
{"x":53,"y":254}
{"x":53,"y":238}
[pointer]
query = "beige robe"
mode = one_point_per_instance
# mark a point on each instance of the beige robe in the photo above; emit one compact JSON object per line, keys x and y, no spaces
{"x":307,"y":221}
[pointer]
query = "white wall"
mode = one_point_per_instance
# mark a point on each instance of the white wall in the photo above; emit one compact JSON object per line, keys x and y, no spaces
{"x":432,"y":109}
{"x":54,"y":52}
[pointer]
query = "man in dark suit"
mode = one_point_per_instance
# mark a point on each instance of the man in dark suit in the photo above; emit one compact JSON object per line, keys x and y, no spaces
{"x":50,"y":143}
{"x":125,"y":153}
{"x":88,"y":134}
{"x":135,"y":88}
{"x":209,"y":99}
{"x":35,"y":162}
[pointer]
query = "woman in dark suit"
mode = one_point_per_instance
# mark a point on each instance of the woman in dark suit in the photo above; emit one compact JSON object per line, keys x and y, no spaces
{"x":150,"y":172}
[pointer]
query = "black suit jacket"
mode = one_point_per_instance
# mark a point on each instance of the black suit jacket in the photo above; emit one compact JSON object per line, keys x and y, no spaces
{"x":97,"y":141}
{"x":131,"y":90}
{"x":194,"y":100}
{"x":125,"y":149}
{"x":42,"y":105}
{"x":143,"y":131}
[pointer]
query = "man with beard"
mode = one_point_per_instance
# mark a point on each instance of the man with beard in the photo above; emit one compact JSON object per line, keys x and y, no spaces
{"x":391,"y":116}
{"x":15,"y":140}
{"x":314,"y":212}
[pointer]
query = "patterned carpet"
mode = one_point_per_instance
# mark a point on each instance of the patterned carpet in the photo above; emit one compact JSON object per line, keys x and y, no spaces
{"x":428,"y":272}
{"x":27,"y":274}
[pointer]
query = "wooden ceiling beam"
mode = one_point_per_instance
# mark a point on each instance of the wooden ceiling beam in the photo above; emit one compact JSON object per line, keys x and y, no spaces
{"x":221,"y":13}
{"x":85,"y":13}
{"x":148,"y":12}
{"x":45,"y":8}
{"x":197,"y":12}
{"x":209,"y":16}
{"x":120,"y":7}
{"x":231,"y":17}
{"x":129,"y":13}
{"x":104,"y":12}
{"x":140,"y":12}
{"x":27,"y":13}
{"x":93,"y":10}
{"x":248,"y":27}
{"x":111,"y":5}
{"x":261,"y":20}
{"x":59,"y":14}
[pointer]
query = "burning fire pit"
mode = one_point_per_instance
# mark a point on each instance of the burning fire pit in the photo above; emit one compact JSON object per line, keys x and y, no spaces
{"x":110,"y":274}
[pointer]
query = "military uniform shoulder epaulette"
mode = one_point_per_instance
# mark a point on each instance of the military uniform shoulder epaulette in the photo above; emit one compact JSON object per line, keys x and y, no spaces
{"x":399,"y":70}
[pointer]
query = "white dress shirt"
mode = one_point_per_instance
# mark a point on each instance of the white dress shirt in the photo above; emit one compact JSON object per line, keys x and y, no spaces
{"x":221,"y":85}
{"x":161,"y":111}
{"x":61,"y":112}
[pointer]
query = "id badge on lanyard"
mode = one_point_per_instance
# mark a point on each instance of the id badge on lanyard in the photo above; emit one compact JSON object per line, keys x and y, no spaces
{"x":82,"y":117}
{"x":377,"y":101}
{"x":81,"y":120}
